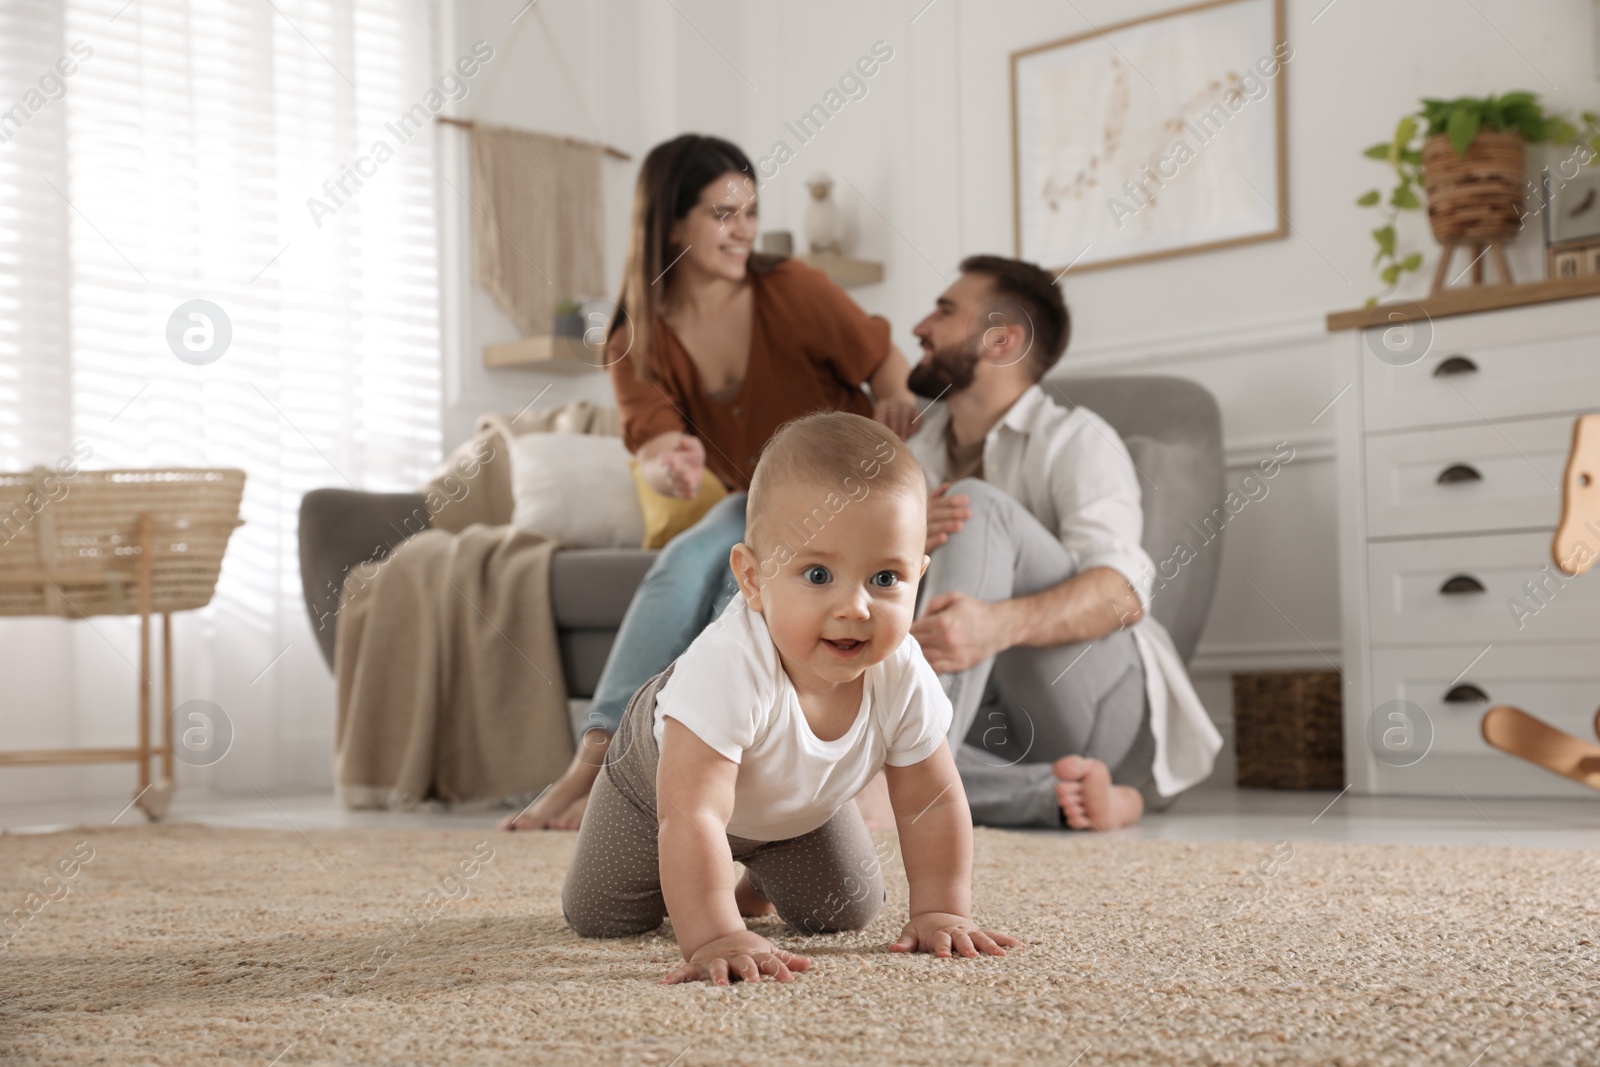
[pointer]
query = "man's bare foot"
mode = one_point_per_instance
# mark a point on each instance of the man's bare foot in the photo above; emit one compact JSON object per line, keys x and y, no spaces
{"x":874,"y":804}
{"x":752,"y":905}
{"x":561,"y":806}
{"x":1089,"y":800}
{"x":1069,"y":797}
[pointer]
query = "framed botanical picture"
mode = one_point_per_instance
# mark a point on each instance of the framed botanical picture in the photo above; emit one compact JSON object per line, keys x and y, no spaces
{"x":1155,"y":137}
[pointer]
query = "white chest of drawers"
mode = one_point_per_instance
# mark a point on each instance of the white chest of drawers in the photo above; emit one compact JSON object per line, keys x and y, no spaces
{"x":1449,"y":469}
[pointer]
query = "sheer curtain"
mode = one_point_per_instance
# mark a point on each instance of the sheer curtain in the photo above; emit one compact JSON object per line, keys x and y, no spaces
{"x":157,"y":152}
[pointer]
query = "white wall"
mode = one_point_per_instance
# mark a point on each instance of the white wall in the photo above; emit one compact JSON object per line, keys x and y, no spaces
{"x":922,"y":166}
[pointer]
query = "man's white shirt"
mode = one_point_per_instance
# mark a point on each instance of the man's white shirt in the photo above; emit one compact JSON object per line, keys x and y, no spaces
{"x":1072,"y":472}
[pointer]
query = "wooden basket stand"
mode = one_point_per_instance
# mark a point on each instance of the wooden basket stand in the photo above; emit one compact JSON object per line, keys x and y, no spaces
{"x":121,"y":542}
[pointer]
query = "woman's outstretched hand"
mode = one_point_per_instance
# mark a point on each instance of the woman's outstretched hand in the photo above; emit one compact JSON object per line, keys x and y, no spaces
{"x":899,"y":413}
{"x":743,"y":956}
{"x":679,"y":468}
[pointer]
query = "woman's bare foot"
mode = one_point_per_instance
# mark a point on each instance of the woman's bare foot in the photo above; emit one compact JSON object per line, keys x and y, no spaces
{"x":1089,"y":800}
{"x":874,"y":804}
{"x":570,"y":817}
{"x":561,"y":806}
{"x":752,"y":905}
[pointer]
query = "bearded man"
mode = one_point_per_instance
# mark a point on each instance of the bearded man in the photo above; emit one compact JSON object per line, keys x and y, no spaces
{"x":1071,"y":704}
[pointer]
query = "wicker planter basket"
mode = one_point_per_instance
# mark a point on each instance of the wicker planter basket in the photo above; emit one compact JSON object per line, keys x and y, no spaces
{"x":1475,"y":198}
{"x":1288,"y":730}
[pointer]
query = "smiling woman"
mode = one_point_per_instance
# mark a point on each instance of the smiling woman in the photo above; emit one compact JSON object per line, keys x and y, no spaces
{"x":712,"y":349}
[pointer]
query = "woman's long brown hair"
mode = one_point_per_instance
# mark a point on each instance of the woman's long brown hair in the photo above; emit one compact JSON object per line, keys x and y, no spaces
{"x":669,"y":185}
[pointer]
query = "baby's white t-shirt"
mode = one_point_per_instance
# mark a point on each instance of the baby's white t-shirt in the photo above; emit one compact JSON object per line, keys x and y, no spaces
{"x":729,"y":687}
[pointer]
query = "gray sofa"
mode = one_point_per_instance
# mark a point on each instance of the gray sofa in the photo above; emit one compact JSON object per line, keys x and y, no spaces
{"x":1172,"y":427}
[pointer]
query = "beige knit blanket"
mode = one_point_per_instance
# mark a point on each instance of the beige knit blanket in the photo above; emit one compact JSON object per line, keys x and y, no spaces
{"x":449,"y":673}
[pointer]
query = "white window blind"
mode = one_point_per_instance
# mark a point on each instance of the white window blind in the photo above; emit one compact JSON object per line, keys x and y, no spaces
{"x":173,"y":164}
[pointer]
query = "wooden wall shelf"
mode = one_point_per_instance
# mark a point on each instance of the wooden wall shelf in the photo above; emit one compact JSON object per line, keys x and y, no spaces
{"x":845,"y":272}
{"x":1464,"y":301}
{"x":545,"y":353}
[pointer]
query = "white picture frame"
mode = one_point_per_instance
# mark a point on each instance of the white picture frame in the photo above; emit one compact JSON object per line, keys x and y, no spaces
{"x":1185,"y":107}
{"x":1573,"y":211}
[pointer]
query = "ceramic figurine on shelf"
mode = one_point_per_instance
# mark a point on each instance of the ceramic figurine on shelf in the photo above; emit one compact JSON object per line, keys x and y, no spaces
{"x":1576,"y":547}
{"x":824,"y":224}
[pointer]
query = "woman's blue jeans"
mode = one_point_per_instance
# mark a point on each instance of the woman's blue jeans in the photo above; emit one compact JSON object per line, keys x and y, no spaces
{"x":686,"y":587}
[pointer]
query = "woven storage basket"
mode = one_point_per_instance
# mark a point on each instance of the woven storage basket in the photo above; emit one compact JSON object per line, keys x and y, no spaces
{"x":1288,"y":730}
{"x":69,"y":544}
{"x":1477,"y":196}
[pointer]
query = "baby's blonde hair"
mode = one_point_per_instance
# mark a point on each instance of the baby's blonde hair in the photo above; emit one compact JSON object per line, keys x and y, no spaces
{"x":844,"y":456}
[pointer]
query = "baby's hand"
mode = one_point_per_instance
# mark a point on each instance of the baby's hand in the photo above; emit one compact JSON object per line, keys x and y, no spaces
{"x":745,"y":956}
{"x":941,"y":933}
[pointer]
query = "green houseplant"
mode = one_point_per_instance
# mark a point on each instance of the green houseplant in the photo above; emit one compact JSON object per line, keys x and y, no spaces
{"x":1467,"y":155}
{"x":569,"y":319}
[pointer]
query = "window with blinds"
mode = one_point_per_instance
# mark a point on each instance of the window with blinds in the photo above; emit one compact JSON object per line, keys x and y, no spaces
{"x":162,"y":152}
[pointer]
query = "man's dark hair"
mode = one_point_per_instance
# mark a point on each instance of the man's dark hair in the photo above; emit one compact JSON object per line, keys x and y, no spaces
{"x":1027,"y":293}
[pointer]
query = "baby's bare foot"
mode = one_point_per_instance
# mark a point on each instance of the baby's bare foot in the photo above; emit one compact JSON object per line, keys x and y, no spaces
{"x":1088,"y":798}
{"x":752,"y":904}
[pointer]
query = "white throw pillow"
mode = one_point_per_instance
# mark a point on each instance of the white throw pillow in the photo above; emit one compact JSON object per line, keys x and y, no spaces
{"x":575,"y":488}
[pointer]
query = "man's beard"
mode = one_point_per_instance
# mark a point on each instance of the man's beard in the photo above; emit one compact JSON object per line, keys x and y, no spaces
{"x":945,"y":370}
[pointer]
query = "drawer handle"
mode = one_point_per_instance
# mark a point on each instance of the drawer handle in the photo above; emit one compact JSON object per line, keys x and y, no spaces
{"x":1458,"y":472}
{"x":1461,"y":583}
{"x":1466,"y":693}
{"x":1455,"y":365}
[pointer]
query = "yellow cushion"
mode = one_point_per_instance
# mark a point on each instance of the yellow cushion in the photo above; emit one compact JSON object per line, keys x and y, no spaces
{"x":665,"y":517}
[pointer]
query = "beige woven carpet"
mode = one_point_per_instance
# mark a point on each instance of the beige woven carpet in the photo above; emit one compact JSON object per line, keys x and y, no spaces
{"x":190,"y":945}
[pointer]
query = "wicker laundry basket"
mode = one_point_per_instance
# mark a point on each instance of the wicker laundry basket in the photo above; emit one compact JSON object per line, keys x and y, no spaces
{"x":1289,"y":730}
{"x":121,"y":542}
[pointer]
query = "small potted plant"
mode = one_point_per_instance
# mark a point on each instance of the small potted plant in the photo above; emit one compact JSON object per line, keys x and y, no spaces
{"x":569,"y":319}
{"x":1469,"y":156}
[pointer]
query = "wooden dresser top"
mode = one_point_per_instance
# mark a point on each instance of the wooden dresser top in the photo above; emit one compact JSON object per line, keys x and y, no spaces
{"x":1464,"y":301}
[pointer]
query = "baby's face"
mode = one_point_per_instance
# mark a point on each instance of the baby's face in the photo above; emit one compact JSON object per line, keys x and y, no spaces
{"x":837,"y":588}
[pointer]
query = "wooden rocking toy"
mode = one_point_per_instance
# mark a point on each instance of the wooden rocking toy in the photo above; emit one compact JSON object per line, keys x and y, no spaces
{"x":1576,"y":547}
